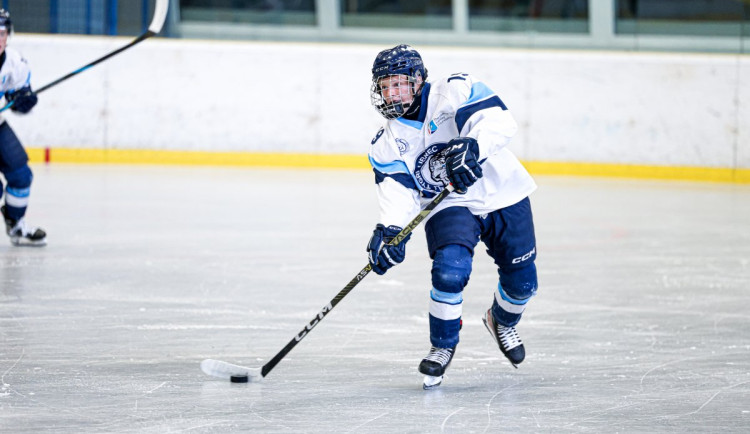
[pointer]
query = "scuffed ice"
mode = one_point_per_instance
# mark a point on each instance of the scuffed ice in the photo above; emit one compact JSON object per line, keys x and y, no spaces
{"x":640,"y":323}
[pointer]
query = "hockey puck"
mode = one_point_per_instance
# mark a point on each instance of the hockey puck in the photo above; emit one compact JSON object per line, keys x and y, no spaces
{"x":238,"y":378}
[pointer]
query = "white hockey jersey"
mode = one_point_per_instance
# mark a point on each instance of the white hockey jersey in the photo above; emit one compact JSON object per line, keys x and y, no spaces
{"x":408,"y":156}
{"x":14,"y":73}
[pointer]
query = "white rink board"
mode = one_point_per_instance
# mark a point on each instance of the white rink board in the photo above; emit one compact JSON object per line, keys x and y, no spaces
{"x":572,"y":106}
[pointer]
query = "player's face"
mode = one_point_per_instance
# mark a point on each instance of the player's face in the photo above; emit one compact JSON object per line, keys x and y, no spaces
{"x":3,"y":39}
{"x":396,"y":89}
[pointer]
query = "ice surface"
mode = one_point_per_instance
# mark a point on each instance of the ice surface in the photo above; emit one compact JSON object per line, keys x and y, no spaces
{"x":640,"y":324}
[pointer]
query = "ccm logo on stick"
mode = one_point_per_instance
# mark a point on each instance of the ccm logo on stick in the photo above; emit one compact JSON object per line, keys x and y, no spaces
{"x":313,"y":323}
{"x":363,"y":273}
{"x":524,"y":257}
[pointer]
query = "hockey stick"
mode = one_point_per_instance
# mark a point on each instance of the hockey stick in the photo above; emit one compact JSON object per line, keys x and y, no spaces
{"x":217,"y":368}
{"x":157,"y":22}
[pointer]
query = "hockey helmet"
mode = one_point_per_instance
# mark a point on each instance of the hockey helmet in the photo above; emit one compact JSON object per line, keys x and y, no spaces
{"x":399,"y":60}
{"x":5,"y":22}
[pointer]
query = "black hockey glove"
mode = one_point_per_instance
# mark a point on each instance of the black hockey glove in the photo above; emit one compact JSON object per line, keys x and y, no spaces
{"x":461,"y":163}
{"x":23,"y":99}
{"x":381,"y":255}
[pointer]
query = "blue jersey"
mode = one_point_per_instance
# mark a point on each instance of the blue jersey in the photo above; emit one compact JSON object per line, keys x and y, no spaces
{"x":408,"y":156}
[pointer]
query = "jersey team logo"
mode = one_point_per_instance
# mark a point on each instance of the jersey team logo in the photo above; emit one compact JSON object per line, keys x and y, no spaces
{"x":403,"y":146}
{"x":429,"y":168}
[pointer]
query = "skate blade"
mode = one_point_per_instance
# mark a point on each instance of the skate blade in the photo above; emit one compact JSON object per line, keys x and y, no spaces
{"x":28,"y":243}
{"x":431,"y":382}
{"x":489,"y":329}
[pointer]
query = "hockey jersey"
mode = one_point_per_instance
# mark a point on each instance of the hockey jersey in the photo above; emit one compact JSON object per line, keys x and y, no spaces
{"x":408,"y":156}
{"x":14,"y":72}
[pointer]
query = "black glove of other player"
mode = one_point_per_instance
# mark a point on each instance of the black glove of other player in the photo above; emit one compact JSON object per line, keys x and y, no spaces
{"x":381,"y":255}
{"x":23,"y":99}
{"x":461,"y":163}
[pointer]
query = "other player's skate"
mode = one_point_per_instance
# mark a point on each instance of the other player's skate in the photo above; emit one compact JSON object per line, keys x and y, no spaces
{"x":434,"y":365}
{"x":507,"y":339}
{"x":20,"y":234}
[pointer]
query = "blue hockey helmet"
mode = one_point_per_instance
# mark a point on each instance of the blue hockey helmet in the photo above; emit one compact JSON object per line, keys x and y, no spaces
{"x":399,"y":60}
{"x":5,"y":23}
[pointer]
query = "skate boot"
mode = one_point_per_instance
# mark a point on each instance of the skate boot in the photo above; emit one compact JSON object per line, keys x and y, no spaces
{"x":507,"y":339}
{"x":20,"y":235}
{"x":434,"y":365}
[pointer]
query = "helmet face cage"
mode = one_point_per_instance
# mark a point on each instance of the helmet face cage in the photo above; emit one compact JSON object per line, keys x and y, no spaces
{"x":5,"y":23}
{"x":400,"y":61}
{"x":401,"y":97}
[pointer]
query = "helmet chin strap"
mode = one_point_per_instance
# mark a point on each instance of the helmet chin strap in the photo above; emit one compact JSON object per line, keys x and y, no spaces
{"x":416,"y":102}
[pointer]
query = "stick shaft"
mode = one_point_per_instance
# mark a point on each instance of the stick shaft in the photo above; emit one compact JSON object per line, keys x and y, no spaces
{"x":160,"y":15}
{"x":140,"y":38}
{"x":352,"y":283}
{"x":137,"y":40}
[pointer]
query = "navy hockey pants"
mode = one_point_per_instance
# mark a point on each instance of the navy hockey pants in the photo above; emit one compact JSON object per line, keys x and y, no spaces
{"x":452,"y":235}
{"x":15,"y":169}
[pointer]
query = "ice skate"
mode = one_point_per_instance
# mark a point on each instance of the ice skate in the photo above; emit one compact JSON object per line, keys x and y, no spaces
{"x":506,"y":338}
{"x":434,"y":365}
{"x":21,"y":235}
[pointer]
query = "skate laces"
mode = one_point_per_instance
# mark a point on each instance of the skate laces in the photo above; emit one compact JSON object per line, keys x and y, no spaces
{"x":508,"y":337}
{"x":440,"y":355}
{"x":21,"y":230}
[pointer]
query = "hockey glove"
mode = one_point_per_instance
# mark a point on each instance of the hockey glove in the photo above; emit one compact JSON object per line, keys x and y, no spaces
{"x":461,"y":163}
{"x":381,"y":255}
{"x":23,"y":99}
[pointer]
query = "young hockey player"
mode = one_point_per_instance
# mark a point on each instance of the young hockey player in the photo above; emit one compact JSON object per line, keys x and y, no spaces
{"x":455,"y":130}
{"x":16,"y":87}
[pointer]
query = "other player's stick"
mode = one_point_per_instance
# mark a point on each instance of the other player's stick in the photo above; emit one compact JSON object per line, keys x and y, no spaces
{"x":226,"y":370}
{"x":157,"y":22}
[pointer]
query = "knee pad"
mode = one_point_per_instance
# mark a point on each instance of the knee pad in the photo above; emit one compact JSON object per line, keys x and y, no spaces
{"x":19,"y":178}
{"x":451,"y":268}
{"x":518,"y":284}
{"x":18,"y":188}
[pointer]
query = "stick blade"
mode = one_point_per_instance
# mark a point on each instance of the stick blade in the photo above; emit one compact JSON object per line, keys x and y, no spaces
{"x":219,"y":369}
{"x":160,"y":15}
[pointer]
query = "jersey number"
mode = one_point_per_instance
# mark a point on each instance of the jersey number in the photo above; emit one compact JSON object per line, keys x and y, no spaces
{"x":459,"y":76}
{"x":377,"y":136}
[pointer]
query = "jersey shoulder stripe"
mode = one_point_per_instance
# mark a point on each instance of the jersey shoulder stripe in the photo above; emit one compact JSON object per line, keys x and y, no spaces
{"x":479,"y":91}
{"x":464,"y":113}
{"x":482,"y":97}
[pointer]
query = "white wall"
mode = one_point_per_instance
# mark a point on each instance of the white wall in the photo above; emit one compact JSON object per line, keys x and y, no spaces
{"x":576,"y":106}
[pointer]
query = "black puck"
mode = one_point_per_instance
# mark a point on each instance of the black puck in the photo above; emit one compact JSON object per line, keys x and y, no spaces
{"x":238,"y":378}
